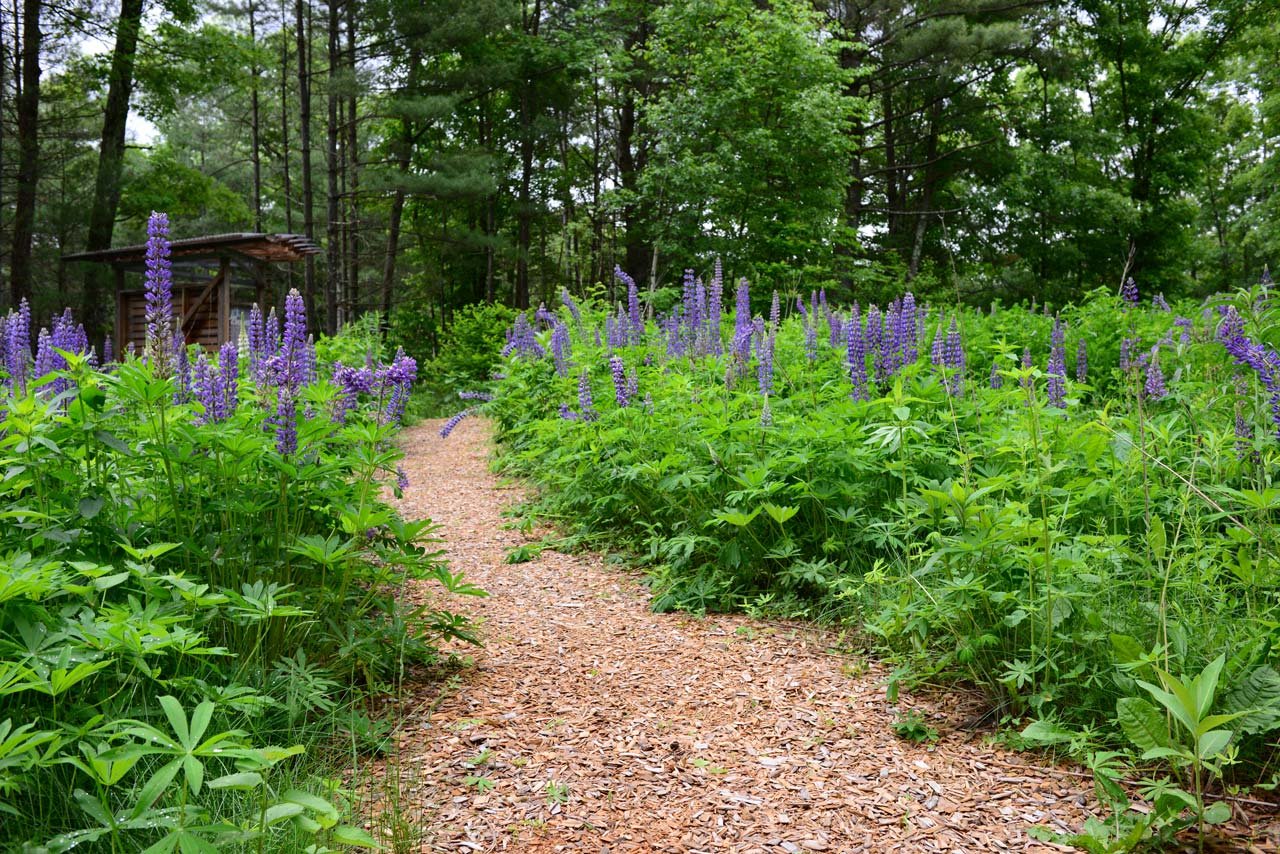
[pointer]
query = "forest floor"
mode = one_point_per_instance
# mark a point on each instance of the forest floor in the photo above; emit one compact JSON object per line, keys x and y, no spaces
{"x":588,"y":723}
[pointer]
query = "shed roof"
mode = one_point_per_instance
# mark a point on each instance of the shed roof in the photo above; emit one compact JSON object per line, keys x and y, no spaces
{"x":285,"y":248}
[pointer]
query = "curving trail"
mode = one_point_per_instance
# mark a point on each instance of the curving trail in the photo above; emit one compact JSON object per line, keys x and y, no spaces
{"x":605,"y":728}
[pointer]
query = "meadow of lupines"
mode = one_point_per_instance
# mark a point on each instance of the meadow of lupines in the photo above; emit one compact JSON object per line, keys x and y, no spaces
{"x":1063,"y":508}
{"x":197,"y":578}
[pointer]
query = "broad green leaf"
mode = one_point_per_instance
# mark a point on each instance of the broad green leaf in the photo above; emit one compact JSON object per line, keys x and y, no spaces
{"x":348,"y":835}
{"x":1217,"y":813}
{"x":1142,"y":723}
{"x":239,"y":780}
{"x":780,"y":514}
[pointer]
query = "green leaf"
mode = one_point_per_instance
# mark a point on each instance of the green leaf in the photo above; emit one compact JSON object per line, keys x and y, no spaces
{"x":315,"y":803}
{"x":177,"y":720}
{"x":155,"y":787}
{"x":1142,"y":723}
{"x":1046,"y":732}
{"x":348,"y":835}
{"x":1213,"y":742}
{"x":1258,"y":697}
{"x":1156,"y":538}
{"x":734,"y":516}
{"x":279,"y":812}
{"x":240,"y":780}
{"x":1217,"y":813}
{"x":90,"y":507}
{"x":780,"y":514}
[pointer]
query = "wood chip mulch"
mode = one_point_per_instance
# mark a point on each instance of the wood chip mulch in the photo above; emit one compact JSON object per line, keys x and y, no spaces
{"x":588,"y":723}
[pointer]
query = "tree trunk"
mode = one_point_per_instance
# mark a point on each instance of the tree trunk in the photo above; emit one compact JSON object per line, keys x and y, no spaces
{"x":106,"y":188}
{"x":353,"y":167}
{"x":304,"y":142}
{"x":524,"y":201}
{"x":254,"y":120}
{"x":28,"y":110}
{"x":403,"y":151}
{"x":333,"y":256}
{"x":284,"y":118}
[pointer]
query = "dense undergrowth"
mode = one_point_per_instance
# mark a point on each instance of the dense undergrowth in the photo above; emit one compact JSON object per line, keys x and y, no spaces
{"x":197,"y":579}
{"x":1070,"y":512}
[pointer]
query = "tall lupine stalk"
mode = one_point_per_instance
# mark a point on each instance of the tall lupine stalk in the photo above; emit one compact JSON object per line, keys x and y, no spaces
{"x":1158,"y":302}
{"x":1129,"y":293}
{"x":1056,"y":382}
{"x":907,"y":333}
{"x":1260,"y":358}
{"x":1082,"y":363}
{"x":775,"y":311}
{"x":574,"y":311}
{"x":873,"y":340}
{"x":715,"y":309}
{"x":1154,"y":385}
{"x":586,"y":406}
{"x":619,"y":373}
{"x":561,"y":348}
{"x":997,"y":381}
{"x":1243,"y":430}
{"x":18,"y":349}
{"x":764,"y":368}
{"x":159,"y":296}
{"x":856,"y":356}
{"x":635,"y":320}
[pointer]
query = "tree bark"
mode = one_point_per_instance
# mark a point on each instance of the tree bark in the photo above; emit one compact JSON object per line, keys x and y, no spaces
{"x":106,"y":188}
{"x":28,"y":115}
{"x":333,"y":239}
{"x":403,"y":150}
{"x":304,"y":143}
{"x":255,"y":120}
{"x":353,"y":168}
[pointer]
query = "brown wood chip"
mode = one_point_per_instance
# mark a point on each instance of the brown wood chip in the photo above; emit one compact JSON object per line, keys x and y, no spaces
{"x":599,"y":726}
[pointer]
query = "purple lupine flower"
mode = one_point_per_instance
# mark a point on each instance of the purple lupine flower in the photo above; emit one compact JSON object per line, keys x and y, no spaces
{"x":907,"y":329}
{"x":954,"y":357}
{"x":1126,"y":353}
{"x":1128,"y":292}
{"x":229,"y":379}
{"x":619,"y":372}
{"x":937,"y":357}
{"x":159,"y":294}
{"x":764,"y":368}
{"x":586,"y":406}
{"x":856,"y":356}
{"x":1244,"y":432}
{"x":18,"y":349}
{"x":1056,"y":384}
{"x":1263,"y":360}
{"x":874,"y":338}
{"x":775,"y":311}
{"x":997,"y":381}
{"x":715,"y":309}
{"x":698,"y":323}
{"x":202,"y":389}
{"x":45,"y":356}
{"x":689,"y":301}
{"x":766,"y":414}
{"x":634,"y":317}
{"x":1183,"y":323}
{"x":574,"y":312}
{"x":741,"y":306}
{"x":804,"y":312}
{"x":1154,"y":387}
{"x":543,"y":316}
{"x":1158,"y":302}
{"x":351,"y":382}
{"x":567,"y":414}
{"x":182,"y":369}
{"x":597,"y":331}
{"x":291,"y":364}
{"x":561,"y":348}
{"x":633,"y":384}
{"x":1025,"y":382}
{"x":454,"y":421}
{"x":890,"y":349}
{"x":402,"y":479}
{"x":482,"y":396}
{"x":1082,"y":363}
{"x":286,"y":422}
{"x":397,"y":383}
{"x":811,"y":341}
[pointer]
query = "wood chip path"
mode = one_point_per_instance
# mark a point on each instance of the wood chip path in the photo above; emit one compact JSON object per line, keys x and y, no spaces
{"x":588,"y":723}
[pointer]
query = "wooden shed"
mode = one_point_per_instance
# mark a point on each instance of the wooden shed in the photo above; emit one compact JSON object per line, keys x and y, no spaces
{"x":216,"y":280}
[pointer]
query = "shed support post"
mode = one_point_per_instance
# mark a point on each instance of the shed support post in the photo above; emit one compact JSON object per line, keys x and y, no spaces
{"x":224,"y":300}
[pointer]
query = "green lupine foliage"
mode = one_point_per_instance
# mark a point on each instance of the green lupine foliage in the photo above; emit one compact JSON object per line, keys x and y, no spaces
{"x":1053,"y":557}
{"x":185,"y":612}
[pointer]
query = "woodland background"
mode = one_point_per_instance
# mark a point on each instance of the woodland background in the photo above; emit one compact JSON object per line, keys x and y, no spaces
{"x":452,"y":152}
